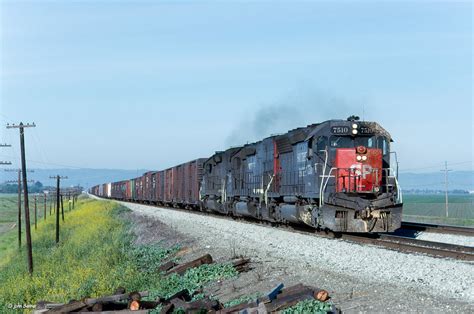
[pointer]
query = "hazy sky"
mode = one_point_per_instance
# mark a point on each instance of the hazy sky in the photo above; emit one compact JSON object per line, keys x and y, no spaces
{"x":117,"y":84}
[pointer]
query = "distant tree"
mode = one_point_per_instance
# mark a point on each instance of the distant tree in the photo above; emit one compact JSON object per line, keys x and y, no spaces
{"x":8,"y":188}
{"x":37,"y":187}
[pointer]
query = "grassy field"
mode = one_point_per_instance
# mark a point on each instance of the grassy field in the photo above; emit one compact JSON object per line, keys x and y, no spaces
{"x":431,"y":209}
{"x":95,"y":255}
{"x":9,"y":217}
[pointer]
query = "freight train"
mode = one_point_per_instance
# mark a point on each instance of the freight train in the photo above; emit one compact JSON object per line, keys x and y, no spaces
{"x":334,"y":175}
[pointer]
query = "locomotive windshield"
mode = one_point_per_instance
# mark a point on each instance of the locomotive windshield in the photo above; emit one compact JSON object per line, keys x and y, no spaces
{"x":350,"y":142}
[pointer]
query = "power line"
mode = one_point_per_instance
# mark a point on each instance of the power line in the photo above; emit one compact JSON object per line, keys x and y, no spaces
{"x":5,"y":162}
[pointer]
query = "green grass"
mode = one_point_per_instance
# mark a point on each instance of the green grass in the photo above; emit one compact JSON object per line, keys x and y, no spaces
{"x":96,"y":255}
{"x":9,"y":218}
{"x":309,"y":306}
{"x":243,"y":299}
{"x":432,"y":209}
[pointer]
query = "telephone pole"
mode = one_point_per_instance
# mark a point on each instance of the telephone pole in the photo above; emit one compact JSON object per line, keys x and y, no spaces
{"x":19,"y":200}
{"x":44,"y":195}
{"x":58,"y":192}
{"x":50,"y":202}
{"x":36,"y":214}
{"x":22,"y":127}
{"x":62,"y":208}
{"x":446,"y":170}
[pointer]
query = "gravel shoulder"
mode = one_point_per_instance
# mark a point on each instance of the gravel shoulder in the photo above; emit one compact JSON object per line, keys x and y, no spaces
{"x":359,"y":278}
{"x":446,"y":238}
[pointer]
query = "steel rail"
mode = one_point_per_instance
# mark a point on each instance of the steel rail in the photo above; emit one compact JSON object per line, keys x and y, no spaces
{"x":404,"y":244}
{"x":445,"y":229}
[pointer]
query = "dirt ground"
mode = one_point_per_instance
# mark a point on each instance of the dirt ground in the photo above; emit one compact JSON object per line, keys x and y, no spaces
{"x":349,"y":293}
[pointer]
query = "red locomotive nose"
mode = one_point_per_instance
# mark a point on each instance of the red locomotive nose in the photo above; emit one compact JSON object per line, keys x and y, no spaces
{"x":361,"y":149}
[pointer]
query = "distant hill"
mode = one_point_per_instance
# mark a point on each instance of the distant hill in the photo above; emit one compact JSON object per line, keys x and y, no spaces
{"x":83,"y":177}
{"x":462,"y":180}
{"x":458,"y":180}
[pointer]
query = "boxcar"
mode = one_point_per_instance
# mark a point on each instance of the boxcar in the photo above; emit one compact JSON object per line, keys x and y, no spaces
{"x":160,"y":186}
{"x":148,"y":189}
{"x":192,"y":176}
{"x":179,"y":185}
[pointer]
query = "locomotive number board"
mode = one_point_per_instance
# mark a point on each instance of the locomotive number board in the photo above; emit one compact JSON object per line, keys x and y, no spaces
{"x":340,"y":130}
{"x":365,"y":130}
{"x":344,"y":130}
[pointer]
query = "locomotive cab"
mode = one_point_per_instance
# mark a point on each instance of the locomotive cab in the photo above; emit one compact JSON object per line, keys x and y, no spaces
{"x":359,"y":191}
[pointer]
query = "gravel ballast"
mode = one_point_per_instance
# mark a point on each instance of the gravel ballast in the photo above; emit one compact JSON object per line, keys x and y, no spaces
{"x":446,"y":238}
{"x":370,"y":277}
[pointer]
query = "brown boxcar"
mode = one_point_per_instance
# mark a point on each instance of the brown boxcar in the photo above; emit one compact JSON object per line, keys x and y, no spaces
{"x":192,"y":176}
{"x":168,"y":186}
{"x":128,"y":191}
{"x":94,"y":190}
{"x":160,"y":186}
{"x":114,"y":189}
{"x":148,"y":189}
{"x":178,"y":193}
{"x":118,"y":190}
{"x":181,"y":183}
{"x":139,"y":189}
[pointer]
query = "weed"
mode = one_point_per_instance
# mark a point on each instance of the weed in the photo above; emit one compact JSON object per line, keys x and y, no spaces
{"x":309,"y":306}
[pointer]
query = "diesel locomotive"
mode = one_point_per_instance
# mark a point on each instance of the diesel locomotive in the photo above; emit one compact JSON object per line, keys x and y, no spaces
{"x":333,"y":175}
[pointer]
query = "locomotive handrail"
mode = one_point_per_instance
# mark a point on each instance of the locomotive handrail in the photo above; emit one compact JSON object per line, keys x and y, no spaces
{"x":397,"y":185}
{"x":399,"y":192}
{"x":268,"y":188}
{"x":324,"y":184}
{"x":321,"y":196}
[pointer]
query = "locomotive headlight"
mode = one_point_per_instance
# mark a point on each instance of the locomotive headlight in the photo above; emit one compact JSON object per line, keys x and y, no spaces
{"x":364,"y":158}
{"x":358,"y":157}
{"x":354,"y":126}
{"x":354,"y":131}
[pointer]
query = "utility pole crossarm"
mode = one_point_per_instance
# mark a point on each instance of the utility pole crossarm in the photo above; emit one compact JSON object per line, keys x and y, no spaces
{"x":21,"y":125}
{"x":15,"y":170}
{"x":15,"y":181}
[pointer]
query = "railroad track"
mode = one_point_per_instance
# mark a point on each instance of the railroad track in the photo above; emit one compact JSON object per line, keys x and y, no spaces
{"x":465,"y":231}
{"x":393,"y":242}
{"x":404,"y":244}
{"x":398,"y":243}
